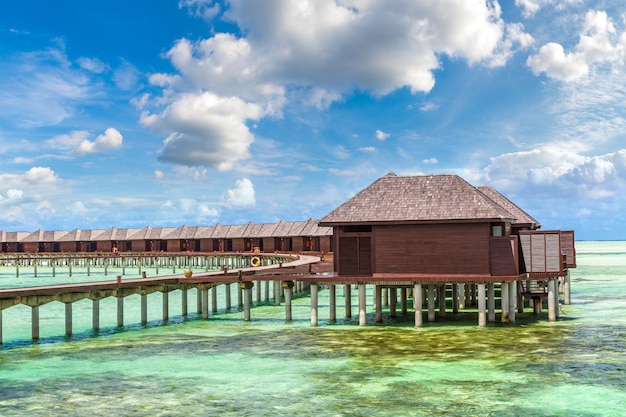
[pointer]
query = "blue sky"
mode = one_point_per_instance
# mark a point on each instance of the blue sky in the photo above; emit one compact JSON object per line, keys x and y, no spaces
{"x":197,"y":112}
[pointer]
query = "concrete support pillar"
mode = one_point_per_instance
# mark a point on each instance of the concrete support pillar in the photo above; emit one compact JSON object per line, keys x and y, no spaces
{"x":567,"y":295}
{"x":214,"y":299}
{"x":431,"y":302}
{"x":267,"y":291}
{"x":491,"y":302}
{"x":183,"y":302}
{"x":482,"y":305}
{"x":455,"y":298}
{"x":512,"y":300}
{"x":246,"y":288}
{"x":441,"y":295}
{"x":473,"y":288}
{"x":461,"y":296}
{"x":536,"y":306}
{"x":240,"y":297}
{"x":198,"y":300}
{"x":393,"y":302}
{"x":403,"y":300}
{"x":277,"y":293}
{"x":258,"y":291}
{"x":552,"y":305}
{"x":347,"y":293}
{"x":417,"y":304}
{"x":120,"y":311}
{"x":68,"y":319}
{"x":288,"y":287}
{"x":35,"y":322}
{"x":362,"y":306}
{"x":314,"y":305}
{"x":468,"y":295}
{"x":378,"y":302}
{"x":504,"y":302}
{"x":95,"y":315}
{"x":332,"y":301}
{"x":144,"y":309}
{"x":228,"y":297}
{"x":166,"y":306}
{"x":205,"y":303}
{"x":385,"y":293}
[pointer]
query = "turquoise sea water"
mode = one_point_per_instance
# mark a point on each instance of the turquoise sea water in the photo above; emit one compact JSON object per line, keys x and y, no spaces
{"x":268,"y":367}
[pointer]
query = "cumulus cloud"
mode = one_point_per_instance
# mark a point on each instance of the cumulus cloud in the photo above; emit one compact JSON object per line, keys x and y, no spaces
{"x":598,"y":43}
{"x":377,"y":47}
{"x":241,"y":197}
{"x":367,"y":149}
{"x":110,"y":139}
{"x":380,"y":135}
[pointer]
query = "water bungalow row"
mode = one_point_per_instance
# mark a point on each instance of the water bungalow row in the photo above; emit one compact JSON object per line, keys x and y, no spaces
{"x":282,"y":236}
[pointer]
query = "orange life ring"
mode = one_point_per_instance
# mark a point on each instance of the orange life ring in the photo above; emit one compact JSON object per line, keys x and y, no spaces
{"x":255,"y":261}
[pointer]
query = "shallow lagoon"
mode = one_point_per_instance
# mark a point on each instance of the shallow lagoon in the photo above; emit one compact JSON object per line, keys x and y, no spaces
{"x":574,"y":367}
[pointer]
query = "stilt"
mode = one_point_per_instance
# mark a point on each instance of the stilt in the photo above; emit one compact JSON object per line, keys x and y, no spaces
{"x":288,"y":287}
{"x":482,"y":305}
{"x":385,"y":293}
{"x":120,"y":311}
{"x":166,"y":306}
{"x":403,"y":300}
{"x":314,"y":305}
{"x":417,"y":304}
{"x":240,"y":298}
{"x":1,"y":326}
{"x":214,"y":299}
{"x":35,"y":322}
{"x":491,"y":302}
{"x":378,"y":302}
{"x":144,"y":309}
{"x":277,"y":291}
{"x":347,"y":294}
{"x":183,"y":302}
{"x":552,"y":300}
{"x":455,"y":298}
{"x":473,"y":288}
{"x":441,"y":294}
{"x":393,"y":301}
{"x":246,"y":287}
{"x":504,"y":301}
{"x":258,"y":292}
{"x":461,"y":296}
{"x":95,"y":315}
{"x":267,"y":291}
{"x":536,"y":305}
{"x":512,"y":300}
{"x":205,"y":303}
{"x":68,"y":319}
{"x":567,"y":296}
{"x":332,"y":301}
{"x":362,"y":307}
{"x":228,"y":298}
{"x":431,"y":302}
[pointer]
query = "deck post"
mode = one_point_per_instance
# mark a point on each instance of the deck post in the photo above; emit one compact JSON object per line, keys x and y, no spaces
{"x":95,"y":315}
{"x":198,"y":300}
{"x":393,"y":301}
{"x":144,"y":309}
{"x":567,"y":296}
{"x":277,"y":293}
{"x":205,"y":303}
{"x":455,"y":298}
{"x":468,"y":295}
{"x":504,"y":301}
{"x":512,"y":300}
{"x":332,"y":301}
{"x":403,"y":306}
{"x":417,"y":304}
{"x":35,"y":322}
{"x":183,"y":302}
{"x":314,"y":305}
{"x":258,"y":292}
{"x":0,"y":326}
{"x":166,"y":305}
{"x":227,"y":296}
{"x":246,"y":287}
{"x":120,"y":311}
{"x":362,"y":306}
{"x":385,"y":293}
{"x":461,"y":296}
{"x":267,"y":291}
{"x":68,"y":319}
{"x":288,"y":286}
{"x":482,"y":306}
{"x":347,"y":293}
{"x":551,"y":300}
{"x":441,"y":295}
{"x":431,"y":302}
{"x":491,"y":302}
{"x":378,"y":302}
{"x":240,"y":297}
{"x":214,"y":299}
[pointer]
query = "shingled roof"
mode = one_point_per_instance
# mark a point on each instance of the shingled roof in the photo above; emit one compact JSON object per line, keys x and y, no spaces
{"x":415,"y":199}
{"x":522,"y":218}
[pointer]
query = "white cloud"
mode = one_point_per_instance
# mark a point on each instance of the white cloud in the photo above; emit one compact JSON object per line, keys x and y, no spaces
{"x":430,"y":161}
{"x":242,"y":197}
{"x":110,"y":139}
{"x":206,"y":130}
{"x":367,"y":149}
{"x":92,"y":64}
{"x":40,"y":175}
{"x":380,"y":135}
{"x":598,"y":44}
{"x":159,"y":174}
